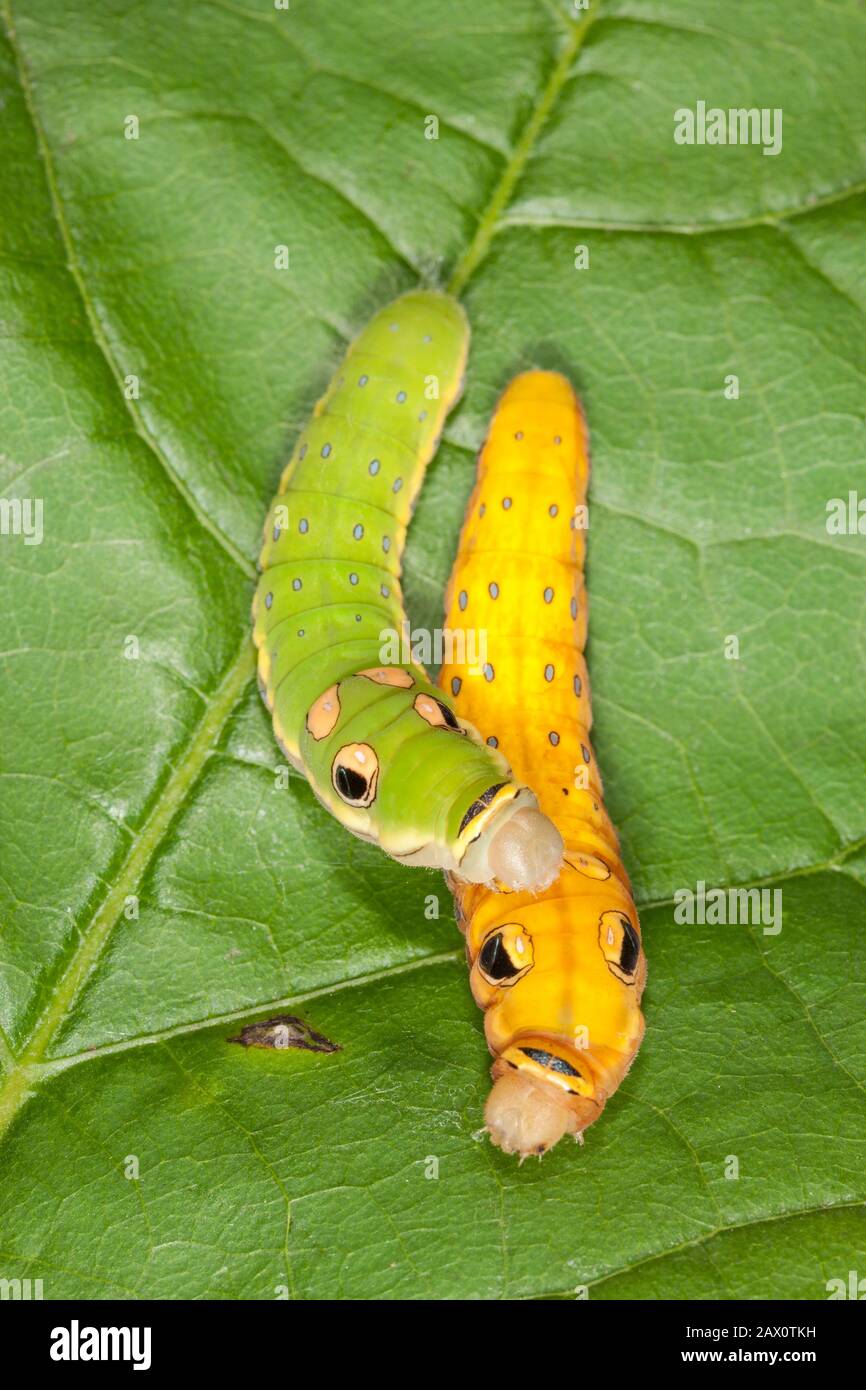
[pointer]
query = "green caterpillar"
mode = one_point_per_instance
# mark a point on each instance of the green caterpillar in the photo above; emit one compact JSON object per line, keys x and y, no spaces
{"x":381,"y":747}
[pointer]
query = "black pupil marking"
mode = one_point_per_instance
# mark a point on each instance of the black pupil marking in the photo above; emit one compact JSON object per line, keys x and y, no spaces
{"x":628,"y":956}
{"x":478,"y":806}
{"x":448,"y":715}
{"x":495,"y":960}
{"x":350,"y":784}
{"x":547,"y":1059}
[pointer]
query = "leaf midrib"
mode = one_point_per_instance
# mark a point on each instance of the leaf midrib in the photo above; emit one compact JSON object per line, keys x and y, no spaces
{"x":16,"y":1086}
{"x":82,"y":962}
{"x":29,"y":1064}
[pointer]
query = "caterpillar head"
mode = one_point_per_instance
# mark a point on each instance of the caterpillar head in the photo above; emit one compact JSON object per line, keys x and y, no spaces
{"x":392,"y":761}
{"x":563,"y":1026}
{"x":517,"y":848}
{"x":542,"y":1090}
{"x":526,"y":1115}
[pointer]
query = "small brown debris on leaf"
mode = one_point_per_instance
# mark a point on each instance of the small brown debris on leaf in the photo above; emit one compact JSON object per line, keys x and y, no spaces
{"x":286,"y":1030}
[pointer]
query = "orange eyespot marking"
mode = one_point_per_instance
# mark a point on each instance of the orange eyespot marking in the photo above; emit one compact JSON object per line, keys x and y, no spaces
{"x":323,"y":714}
{"x":620,"y":944}
{"x":590,"y":865}
{"x":355,"y":774}
{"x":388,"y":675}
{"x":506,"y":955}
{"x":435,"y":712}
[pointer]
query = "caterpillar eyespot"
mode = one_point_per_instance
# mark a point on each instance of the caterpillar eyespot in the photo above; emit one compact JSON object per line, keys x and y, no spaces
{"x":563,"y":1021}
{"x":355,"y":774}
{"x":506,"y":955}
{"x":588,"y":864}
{"x":389,"y":675}
{"x":620,"y":944}
{"x":323,"y":714}
{"x":376,"y":742}
{"x":550,"y":1060}
{"x":436,"y":713}
{"x":481,"y":806}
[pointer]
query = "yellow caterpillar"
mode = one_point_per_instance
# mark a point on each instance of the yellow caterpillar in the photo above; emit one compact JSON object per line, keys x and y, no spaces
{"x":560,"y":974}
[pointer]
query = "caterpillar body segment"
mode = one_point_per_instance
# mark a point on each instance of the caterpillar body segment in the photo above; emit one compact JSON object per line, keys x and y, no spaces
{"x":559,"y":973}
{"x":380,"y":745}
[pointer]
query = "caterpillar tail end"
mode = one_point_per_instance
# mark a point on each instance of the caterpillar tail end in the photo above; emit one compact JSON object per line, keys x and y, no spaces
{"x":526,"y":853}
{"x":526,"y":1115}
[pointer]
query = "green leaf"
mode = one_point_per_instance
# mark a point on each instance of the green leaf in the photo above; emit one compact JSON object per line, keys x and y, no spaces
{"x":161,"y":890}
